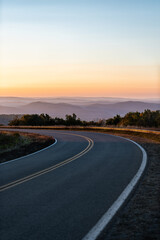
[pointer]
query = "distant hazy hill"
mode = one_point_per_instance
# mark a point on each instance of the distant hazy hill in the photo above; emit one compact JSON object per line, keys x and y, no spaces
{"x":82,"y":101}
{"x":85,"y":112}
{"x":9,"y":110}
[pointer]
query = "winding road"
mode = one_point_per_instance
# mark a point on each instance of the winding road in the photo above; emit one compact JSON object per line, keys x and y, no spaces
{"x":61,"y":193}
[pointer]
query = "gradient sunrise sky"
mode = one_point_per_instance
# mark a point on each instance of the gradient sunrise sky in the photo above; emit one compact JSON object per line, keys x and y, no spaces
{"x":108,"y":48}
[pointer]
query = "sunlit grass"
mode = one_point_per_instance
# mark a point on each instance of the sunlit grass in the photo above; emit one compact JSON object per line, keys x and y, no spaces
{"x":144,"y":133}
{"x":9,"y":141}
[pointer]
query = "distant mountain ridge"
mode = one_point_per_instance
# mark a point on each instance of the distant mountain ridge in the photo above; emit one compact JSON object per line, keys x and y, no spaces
{"x":92,"y":111}
{"x":20,"y":101}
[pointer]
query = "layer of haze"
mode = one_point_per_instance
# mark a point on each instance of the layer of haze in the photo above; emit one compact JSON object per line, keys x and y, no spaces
{"x":80,"y":48}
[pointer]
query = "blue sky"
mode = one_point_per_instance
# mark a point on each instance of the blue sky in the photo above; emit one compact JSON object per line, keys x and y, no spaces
{"x":110,"y":32}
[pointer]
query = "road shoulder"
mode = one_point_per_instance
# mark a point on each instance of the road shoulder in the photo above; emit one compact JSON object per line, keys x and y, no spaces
{"x":139,"y":218}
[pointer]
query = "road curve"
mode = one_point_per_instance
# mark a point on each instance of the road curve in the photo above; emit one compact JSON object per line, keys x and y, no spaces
{"x":62,"y":192}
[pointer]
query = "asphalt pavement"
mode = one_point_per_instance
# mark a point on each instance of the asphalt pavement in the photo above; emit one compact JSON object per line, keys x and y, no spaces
{"x":60,"y":193}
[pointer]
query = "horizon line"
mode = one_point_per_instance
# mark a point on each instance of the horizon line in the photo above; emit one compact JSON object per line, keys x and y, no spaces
{"x":80,"y":97}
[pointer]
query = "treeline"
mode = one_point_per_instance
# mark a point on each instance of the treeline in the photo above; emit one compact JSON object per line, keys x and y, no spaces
{"x":145,"y":119}
{"x":46,"y":120}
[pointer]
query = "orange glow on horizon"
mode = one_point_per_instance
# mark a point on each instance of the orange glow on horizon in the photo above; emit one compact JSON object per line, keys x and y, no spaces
{"x":80,"y":80}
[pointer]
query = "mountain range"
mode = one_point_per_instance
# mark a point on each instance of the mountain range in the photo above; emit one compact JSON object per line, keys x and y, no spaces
{"x":93,"y":111}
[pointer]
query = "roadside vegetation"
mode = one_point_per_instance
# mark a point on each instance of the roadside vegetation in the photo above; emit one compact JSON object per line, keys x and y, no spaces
{"x":17,"y":144}
{"x":147,"y":118}
{"x":12,"y":140}
{"x":46,"y":120}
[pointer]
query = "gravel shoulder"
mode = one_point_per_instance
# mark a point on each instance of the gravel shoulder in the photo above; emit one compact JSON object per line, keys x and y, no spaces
{"x":139,"y":218}
{"x":33,"y":142}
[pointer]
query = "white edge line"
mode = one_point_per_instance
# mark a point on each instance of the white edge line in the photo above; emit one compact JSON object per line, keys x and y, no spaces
{"x":43,"y":149}
{"x":106,"y":218}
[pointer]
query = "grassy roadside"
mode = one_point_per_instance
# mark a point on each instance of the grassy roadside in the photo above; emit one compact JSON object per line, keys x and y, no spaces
{"x":83,"y":128}
{"x":17,"y":144}
{"x":10,"y":141}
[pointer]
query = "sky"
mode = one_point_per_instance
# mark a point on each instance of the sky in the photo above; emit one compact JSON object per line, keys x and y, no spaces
{"x":100,"y":48}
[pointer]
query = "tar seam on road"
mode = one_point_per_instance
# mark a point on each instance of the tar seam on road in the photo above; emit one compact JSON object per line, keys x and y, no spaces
{"x":111,"y":212}
{"x":37,"y":174}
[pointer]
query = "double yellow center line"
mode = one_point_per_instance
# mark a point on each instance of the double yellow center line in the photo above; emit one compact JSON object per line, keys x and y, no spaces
{"x":52,"y":168}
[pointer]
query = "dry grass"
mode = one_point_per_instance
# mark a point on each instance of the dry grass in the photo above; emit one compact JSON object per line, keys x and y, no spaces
{"x":144,"y":133}
{"x":16,"y":144}
{"x":12,"y":140}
